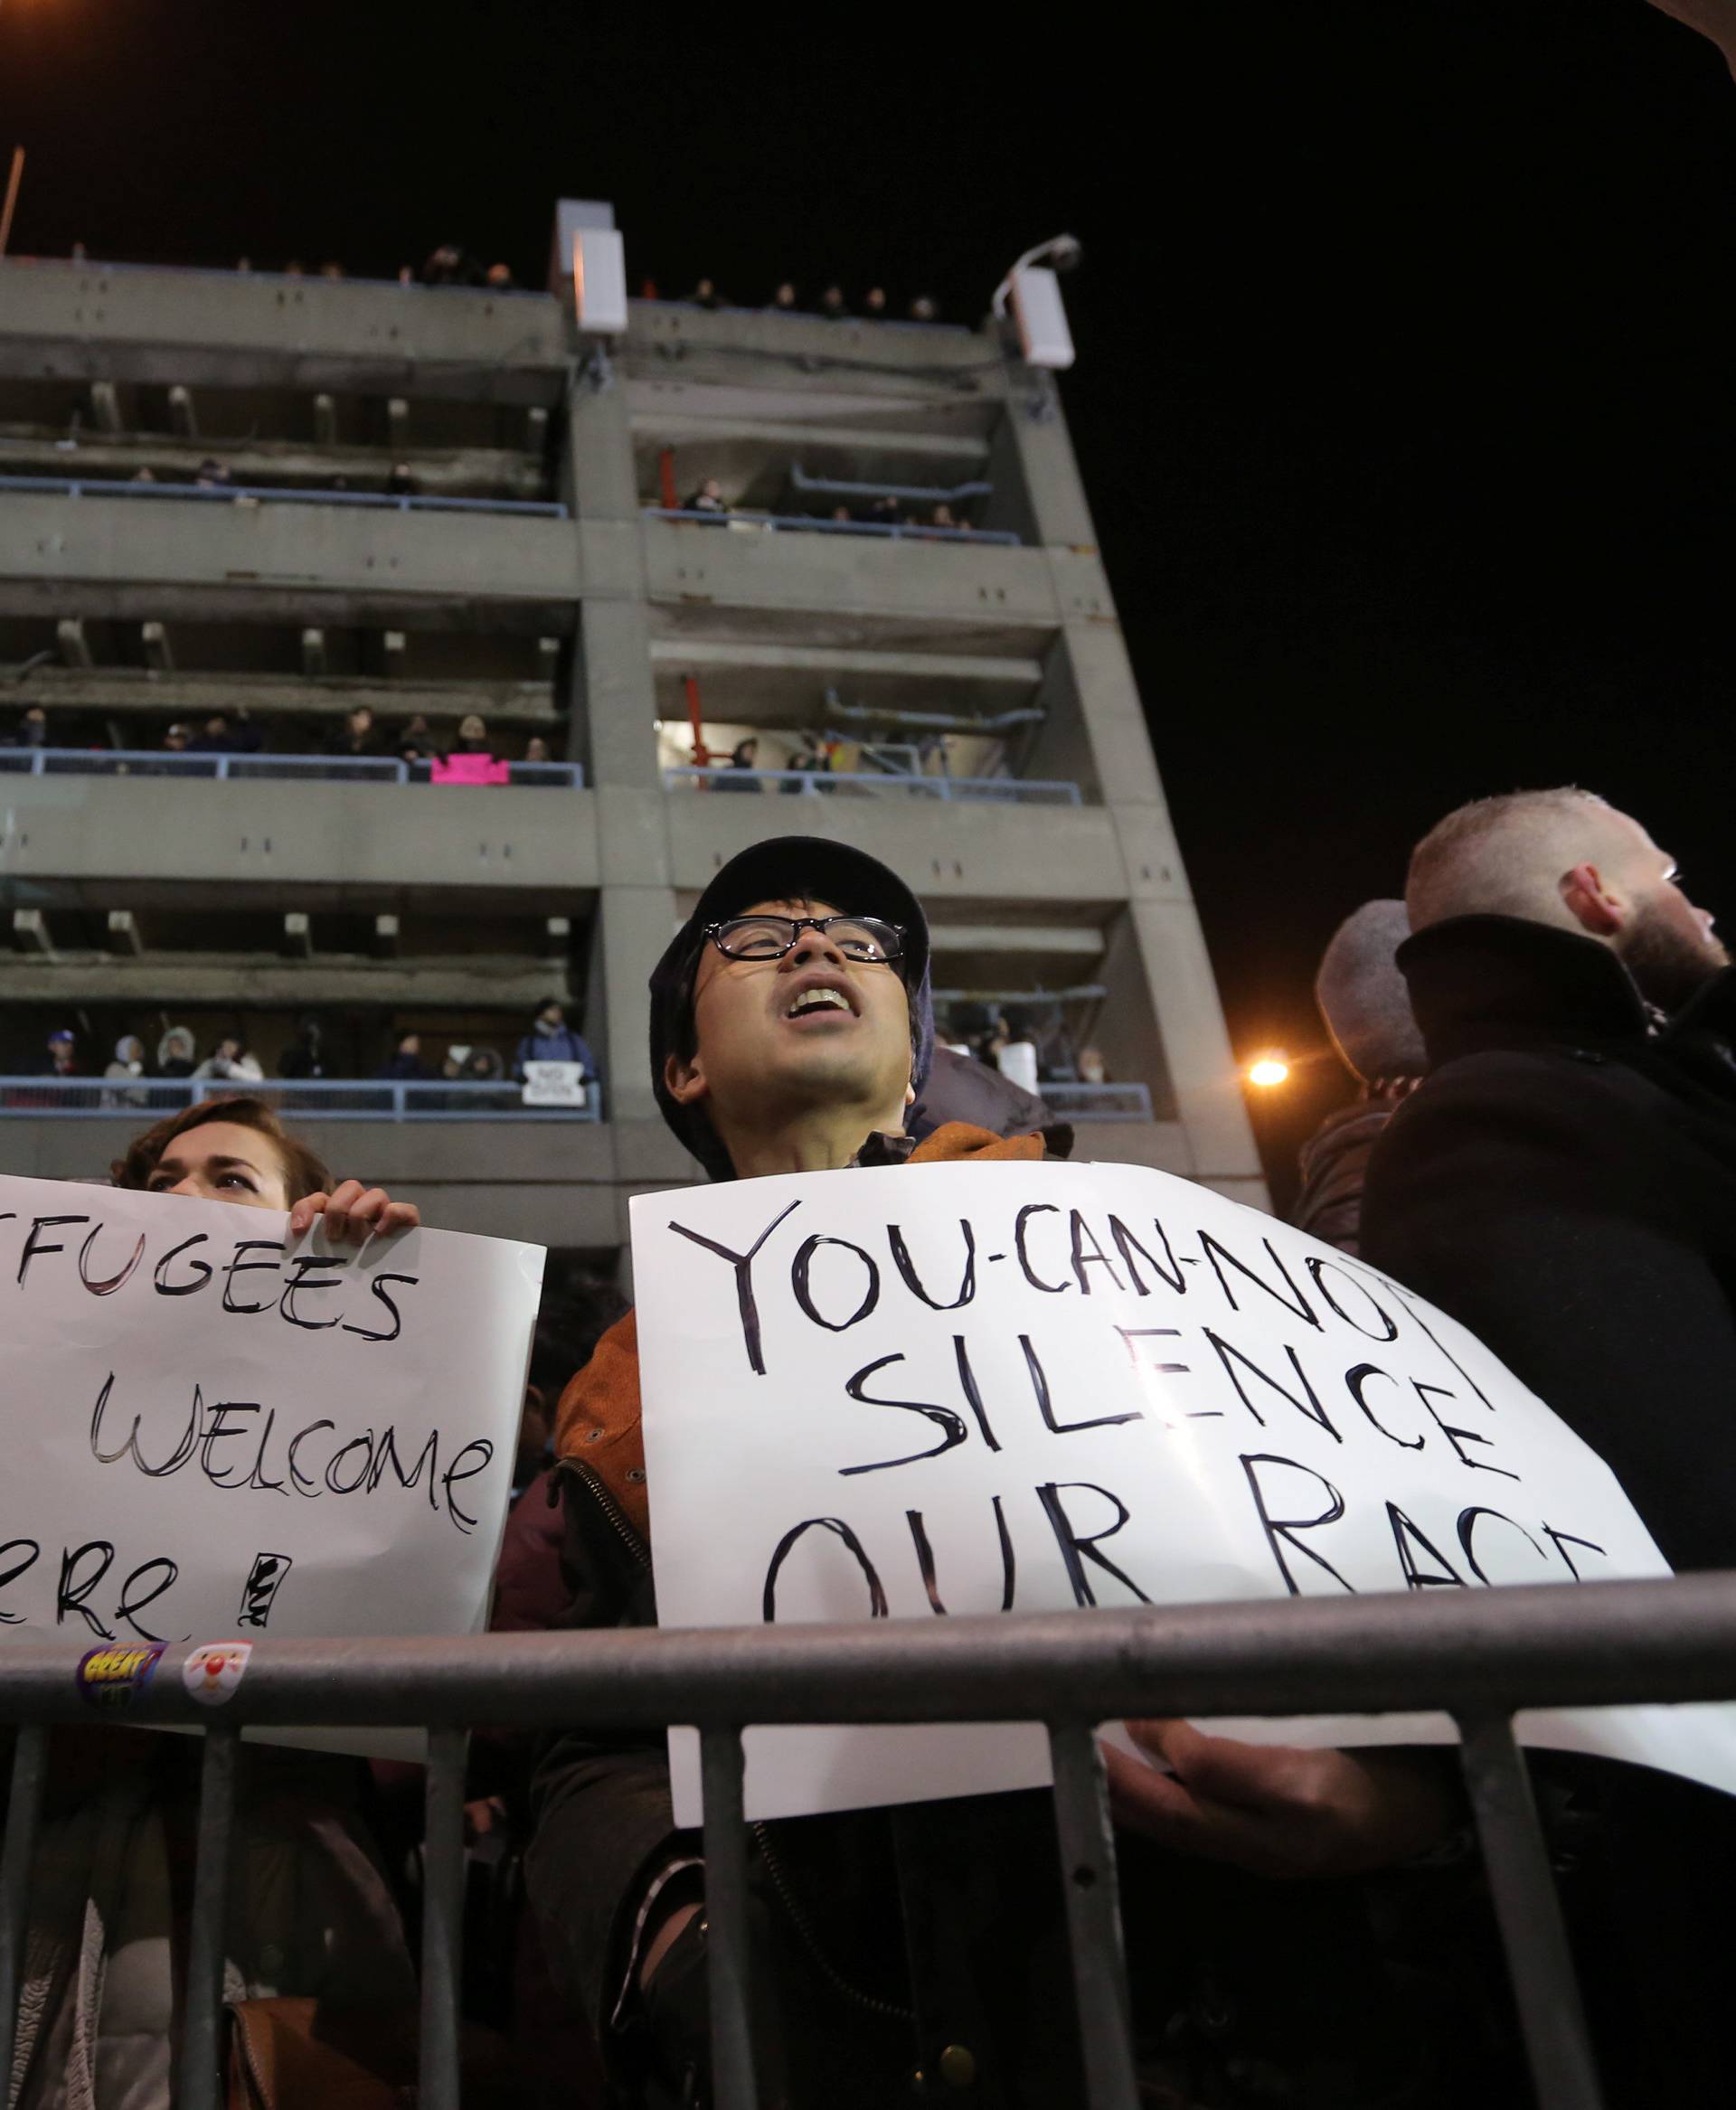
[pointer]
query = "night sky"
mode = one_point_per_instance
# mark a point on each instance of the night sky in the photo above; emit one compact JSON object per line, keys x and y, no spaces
{"x":1405,"y":338}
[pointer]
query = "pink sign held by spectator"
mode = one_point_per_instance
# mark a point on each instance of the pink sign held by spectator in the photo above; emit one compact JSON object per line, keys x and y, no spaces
{"x":470,"y":769}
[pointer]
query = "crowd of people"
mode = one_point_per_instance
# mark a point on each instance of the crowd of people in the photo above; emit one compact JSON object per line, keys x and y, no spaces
{"x":887,"y":511}
{"x":173,"y":1055}
{"x":1309,"y":1926}
{"x":832,"y":302}
{"x":360,"y":737}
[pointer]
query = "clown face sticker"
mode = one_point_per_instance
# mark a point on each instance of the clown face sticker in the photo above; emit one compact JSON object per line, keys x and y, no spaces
{"x":212,"y":1673}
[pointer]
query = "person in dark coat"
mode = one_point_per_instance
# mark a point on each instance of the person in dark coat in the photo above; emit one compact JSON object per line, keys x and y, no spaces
{"x":1366,"y":1007}
{"x":1564,"y":1182}
{"x":927,"y":1940}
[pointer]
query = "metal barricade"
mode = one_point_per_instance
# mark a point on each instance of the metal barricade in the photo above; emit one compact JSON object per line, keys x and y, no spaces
{"x":273,"y":495}
{"x":1478,"y":1655}
{"x":814,"y":523}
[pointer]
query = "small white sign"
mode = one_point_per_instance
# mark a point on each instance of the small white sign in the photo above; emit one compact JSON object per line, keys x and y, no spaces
{"x":554,"y":1084}
{"x":216,"y":1435}
{"x":920,"y":1392}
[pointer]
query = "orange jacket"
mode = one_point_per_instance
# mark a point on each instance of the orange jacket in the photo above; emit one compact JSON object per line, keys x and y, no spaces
{"x":598,"y":1420}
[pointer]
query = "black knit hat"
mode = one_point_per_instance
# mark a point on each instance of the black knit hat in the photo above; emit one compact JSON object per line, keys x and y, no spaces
{"x":786,"y":867}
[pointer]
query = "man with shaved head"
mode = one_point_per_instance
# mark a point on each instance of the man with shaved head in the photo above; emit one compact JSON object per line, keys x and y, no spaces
{"x":1565,"y":1183}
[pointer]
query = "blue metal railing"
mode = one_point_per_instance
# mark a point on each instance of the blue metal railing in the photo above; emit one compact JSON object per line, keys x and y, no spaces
{"x":277,"y":494}
{"x":873,"y":784}
{"x":811,"y":523}
{"x":323,"y":1099}
{"x":277,"y":769}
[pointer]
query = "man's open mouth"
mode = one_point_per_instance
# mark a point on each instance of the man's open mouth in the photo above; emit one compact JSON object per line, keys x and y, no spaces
{"x":812,"y":1002}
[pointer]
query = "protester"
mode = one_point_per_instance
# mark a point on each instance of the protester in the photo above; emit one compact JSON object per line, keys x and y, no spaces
{"x":536,"y":750}
{"x":706,"y":295}
{"x":1564,"y":1182}
{"x":33,"y":728}
{"x":790,"y":1033}
{"x":175,"y":1052}
{"x":886,"y":512}
{"x":551,"y":1040}
{"x":833,"y":304}
{"x":102,"y":2006}
{"x":784,"y":300}
{"x":129,"y":1058}
{"x":472,"y":737}
{"x":1366,"y":1007}
{"x":874,"y":303}
{"x":415,"y":741}
{"x":231,"y":1062}
{"x":1093,"y":1068}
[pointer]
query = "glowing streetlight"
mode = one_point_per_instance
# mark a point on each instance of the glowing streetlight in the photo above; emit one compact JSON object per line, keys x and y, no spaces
{"x":1268,"y":1070}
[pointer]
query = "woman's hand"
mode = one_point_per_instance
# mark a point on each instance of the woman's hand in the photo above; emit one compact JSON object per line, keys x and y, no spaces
{"x":353,"y":1214}
{"x":1279,"y":1812}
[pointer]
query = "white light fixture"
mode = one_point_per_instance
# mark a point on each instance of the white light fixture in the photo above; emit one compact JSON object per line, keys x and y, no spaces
{"x":1039,"y":313}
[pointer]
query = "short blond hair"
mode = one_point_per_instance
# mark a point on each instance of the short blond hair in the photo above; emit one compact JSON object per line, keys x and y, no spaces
{"x":1504,"y":856}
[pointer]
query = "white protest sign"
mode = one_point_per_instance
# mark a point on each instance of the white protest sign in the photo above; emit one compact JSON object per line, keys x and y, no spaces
{"x":924,"y":1390}
{"x":554,"y":1084}
{"x":212,"y":1436}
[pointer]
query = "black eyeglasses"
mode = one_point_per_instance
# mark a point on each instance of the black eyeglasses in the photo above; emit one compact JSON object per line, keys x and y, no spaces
{"x":769,"y":937}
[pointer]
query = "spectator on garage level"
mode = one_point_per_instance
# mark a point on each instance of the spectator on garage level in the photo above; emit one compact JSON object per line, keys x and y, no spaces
{"x":129,"y":1058}
{"x":211,"y":475}
{"x":33,"y":728}
{"x":500,"y":277}
{"x":406,"y":1061}
{"x":807,"y":758}
{"x":175,"y":1051}
{"x":331,"y":270}
{"x":450,"y":266}
{"x":551,"y":1040}
{"x":62,"y":1054}
{"x":231,"y":1060}
{"x":874,"y":305}
{"x":399,"y":483}
{"x":1093,"y":1068}
{"x":708,"y":498}
{"x":925,"y":309}
{"x":144,"y":476}
{"x":744,"y":760}
{"x":706,"y":295}
{"x":358,"y":737}
{"x":415,"y":741}
{"x":485,"y":1067}
{"x":221,"y":735}
{"x":833,"y":304}
{"x":885,"y":512}
{"x":536,"y":750}
{"x":305,"y":1058}
{"x":842,"y":515}
{"x":294,"y":269}
{"x":943,"y":517}
{"x":177,"y":738}
{"x":458,"y":1054}
{"x":784,"y":300}
{"x":473,"y":736}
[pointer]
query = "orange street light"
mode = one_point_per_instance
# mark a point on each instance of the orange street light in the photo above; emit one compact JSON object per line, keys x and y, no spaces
{"x":1270,"y":1070}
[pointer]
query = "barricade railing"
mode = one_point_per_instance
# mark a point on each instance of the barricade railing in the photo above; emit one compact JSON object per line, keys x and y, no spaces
{"x":1097,"y":1102}
{"x":877,"y":783}
{"x":1479,"y":1656}
{"x":321,"y":1098}
{"x":277,"y":494}
{"x":813,"y":524}
{"x":274,"y":768}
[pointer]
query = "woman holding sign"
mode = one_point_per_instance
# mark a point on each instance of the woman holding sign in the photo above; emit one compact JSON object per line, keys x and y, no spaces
{"x":312,"y":1913}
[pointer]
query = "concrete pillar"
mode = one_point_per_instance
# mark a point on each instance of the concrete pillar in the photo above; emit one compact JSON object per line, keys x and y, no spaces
{"x":611,"y":697}
{"x":634,"y":924}
{"x":1203,"y":1081}
{"x":594,"y":474}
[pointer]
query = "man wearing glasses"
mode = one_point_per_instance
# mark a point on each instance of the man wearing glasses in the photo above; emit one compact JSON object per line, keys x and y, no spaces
{"x":917,"y":1951}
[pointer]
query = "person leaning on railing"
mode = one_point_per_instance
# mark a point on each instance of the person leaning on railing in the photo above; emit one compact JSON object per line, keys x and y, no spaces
{"x":105,"y":1957}
{"x":884,"y":1937}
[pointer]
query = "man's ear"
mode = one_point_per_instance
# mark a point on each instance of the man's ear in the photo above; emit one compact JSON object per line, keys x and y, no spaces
{"x":684,"y":1079}
{"x":1591,"y":903}
{"x":910,"y":1093}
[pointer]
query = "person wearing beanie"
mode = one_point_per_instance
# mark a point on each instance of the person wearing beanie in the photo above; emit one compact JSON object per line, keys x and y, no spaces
{"x":792,"y":1032}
